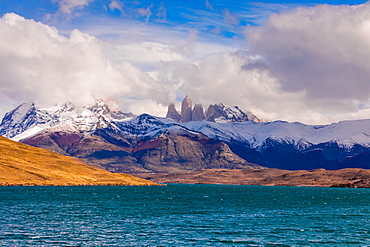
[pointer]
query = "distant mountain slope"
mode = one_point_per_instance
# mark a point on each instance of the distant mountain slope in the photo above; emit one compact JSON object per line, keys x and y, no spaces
{"x":21,"y":164}
{"x":295,"y":146}
{"x":349,"y":178}
{"x":142,"y":144}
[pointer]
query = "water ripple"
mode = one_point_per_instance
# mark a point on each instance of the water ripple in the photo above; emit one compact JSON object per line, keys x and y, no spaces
{"x":184,"y":215}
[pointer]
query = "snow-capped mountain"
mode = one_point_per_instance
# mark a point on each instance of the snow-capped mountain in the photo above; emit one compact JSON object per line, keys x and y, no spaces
{"x":28,"y":119}
{"x":221,"y":113}
{"x":346,"y":134}
{"x":23,"y":118}
{"x":123,"y":142}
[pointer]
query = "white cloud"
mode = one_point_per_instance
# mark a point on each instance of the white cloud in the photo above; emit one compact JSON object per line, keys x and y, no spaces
{"x":145,"y":12}
{"x":209,"y":5}
{"x":67,"y":10}
{"x":162,"y":12}
{"x":146,"y":55}
{"x":116,"y":5}
{"x":148,"y":106}
{"x":70,"y":6}
{"x":147,"y":46}
{"x":230,"y":18}
{"x":36,"y":63}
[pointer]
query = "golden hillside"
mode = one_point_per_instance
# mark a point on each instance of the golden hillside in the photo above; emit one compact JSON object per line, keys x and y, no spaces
{"x":21,"y":164}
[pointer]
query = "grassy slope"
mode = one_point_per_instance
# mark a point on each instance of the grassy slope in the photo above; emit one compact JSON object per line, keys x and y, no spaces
{"x":21,"y":164}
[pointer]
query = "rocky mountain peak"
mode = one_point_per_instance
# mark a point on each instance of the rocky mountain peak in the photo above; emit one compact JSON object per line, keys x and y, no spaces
{"x":223,"y":113}
{"x":67,"y":107}
{"x":100,"y":107}
{"x":198,"y":112}
{"x":186,"y":110}
{"x":172,"y":113}
{"x":108,"y":109}
{"x":211,"y":111}
{"x":214,"y":113}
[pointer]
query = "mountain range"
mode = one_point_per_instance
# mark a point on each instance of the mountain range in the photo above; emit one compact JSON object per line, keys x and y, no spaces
{"x":192,"y":139}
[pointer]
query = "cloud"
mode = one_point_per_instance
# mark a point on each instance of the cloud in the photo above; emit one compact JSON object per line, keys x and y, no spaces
{"x":321,"y":52}
{"x":145,"y":12}
{"x":209,"y":5}
{"x":69,"y":7}
{"x":241,"y":79}
{"x":309,"y":64}
{"x":67,"y":10}
{"x":230,"y":18}
{"x":220,"y":78}
{"x":162,"y":12}
{"x":39,"y":64}
{"x":116,"y":5}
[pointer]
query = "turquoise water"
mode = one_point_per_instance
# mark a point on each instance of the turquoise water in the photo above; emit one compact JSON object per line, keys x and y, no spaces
{"x":184,"y":215}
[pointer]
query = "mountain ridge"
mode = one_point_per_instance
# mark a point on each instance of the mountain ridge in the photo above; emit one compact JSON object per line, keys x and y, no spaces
{"x":277,"y":144}
{"x":218,"y":113}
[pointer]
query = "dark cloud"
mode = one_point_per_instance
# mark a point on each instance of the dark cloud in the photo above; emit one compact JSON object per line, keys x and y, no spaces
{"x":322,"y":51}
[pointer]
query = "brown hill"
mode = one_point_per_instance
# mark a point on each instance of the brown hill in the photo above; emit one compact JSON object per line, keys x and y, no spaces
{"x":350,"y":177}
{"x":169,"y":152}
{"x":21,"y":164}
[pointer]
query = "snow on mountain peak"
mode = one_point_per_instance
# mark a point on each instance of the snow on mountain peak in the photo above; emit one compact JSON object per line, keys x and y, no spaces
{"x":27,"y":119}
{"x":221,"y":113}
{"x":18,"y":114}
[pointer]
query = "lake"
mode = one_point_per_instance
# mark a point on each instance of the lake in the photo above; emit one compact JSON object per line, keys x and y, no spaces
{"x":184,"y":215}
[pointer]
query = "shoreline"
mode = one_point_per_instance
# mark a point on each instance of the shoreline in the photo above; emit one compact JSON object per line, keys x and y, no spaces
{"x":343,"y":178}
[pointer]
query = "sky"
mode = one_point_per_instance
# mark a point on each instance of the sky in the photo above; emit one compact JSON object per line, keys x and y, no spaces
{"x":297,"y":61}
